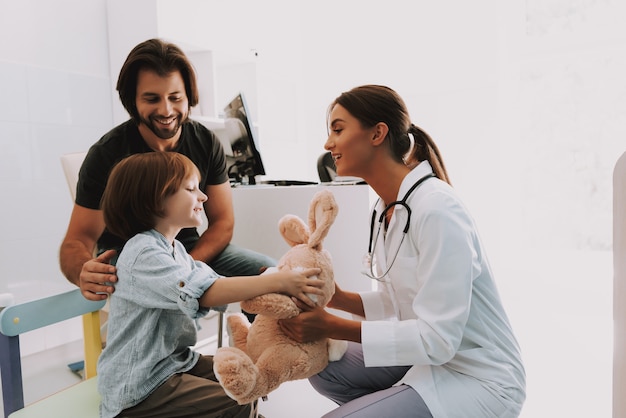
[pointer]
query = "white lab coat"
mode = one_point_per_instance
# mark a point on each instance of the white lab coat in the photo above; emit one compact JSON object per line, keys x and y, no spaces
{"x":440,"y":310}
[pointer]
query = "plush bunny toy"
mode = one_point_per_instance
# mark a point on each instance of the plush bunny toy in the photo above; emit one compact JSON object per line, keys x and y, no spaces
{"x":263,"y":357}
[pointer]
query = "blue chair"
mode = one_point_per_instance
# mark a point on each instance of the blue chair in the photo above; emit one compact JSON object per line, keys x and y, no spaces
{"x":81,"y":400}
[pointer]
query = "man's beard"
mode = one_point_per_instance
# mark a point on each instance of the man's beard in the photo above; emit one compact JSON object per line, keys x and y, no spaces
{"x":161,"y":132}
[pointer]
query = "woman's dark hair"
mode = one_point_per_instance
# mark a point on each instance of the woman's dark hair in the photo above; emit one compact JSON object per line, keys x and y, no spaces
{"x":137,"y":187}
{"x":371,"y":104}
{"x":161,"y":57}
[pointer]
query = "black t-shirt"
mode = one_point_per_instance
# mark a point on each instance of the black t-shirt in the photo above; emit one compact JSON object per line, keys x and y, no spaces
{"x":196,"y":142}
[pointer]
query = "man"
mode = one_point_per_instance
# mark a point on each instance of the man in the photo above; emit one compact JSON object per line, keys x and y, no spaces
{"x":157,"y":86}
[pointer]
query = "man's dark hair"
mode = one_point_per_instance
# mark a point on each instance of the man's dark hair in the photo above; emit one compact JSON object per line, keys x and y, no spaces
{"x":161,"y":57}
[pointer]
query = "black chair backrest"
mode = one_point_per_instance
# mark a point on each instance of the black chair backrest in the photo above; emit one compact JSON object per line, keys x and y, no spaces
{"x":326,"y":167}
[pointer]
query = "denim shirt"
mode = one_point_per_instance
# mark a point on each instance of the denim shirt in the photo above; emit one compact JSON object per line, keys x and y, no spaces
{"x":151,"y":323}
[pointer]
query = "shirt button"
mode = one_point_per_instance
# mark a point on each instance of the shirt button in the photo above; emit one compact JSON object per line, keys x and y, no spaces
{"x":181,"y":284}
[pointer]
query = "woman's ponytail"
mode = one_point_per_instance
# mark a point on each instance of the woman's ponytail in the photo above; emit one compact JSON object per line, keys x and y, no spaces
{"x":425,"y":149}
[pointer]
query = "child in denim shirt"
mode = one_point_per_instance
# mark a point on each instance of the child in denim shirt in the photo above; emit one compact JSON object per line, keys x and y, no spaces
{"x":148,"y":368}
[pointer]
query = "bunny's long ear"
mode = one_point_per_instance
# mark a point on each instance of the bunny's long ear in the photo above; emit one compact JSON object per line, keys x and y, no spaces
{"x":322,"y":214}
{"x":293,"y":229}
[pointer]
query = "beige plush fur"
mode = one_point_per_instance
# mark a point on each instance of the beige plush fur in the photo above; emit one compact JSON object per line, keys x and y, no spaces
{"x":263,"y":357}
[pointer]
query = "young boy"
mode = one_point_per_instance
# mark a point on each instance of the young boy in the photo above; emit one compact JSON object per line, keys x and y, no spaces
{"x":148,"y":368}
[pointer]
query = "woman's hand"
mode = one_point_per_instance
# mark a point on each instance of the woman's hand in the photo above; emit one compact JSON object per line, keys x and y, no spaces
{"x":310,"y":325}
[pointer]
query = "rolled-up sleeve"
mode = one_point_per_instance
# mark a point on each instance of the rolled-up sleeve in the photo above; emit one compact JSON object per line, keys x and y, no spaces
{"x":156,"y":277}
{"x":192,"y":287}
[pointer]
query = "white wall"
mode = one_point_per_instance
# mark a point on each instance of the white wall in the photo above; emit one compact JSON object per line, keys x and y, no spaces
{"x":55,"y":98}
{"x":525,"y":98}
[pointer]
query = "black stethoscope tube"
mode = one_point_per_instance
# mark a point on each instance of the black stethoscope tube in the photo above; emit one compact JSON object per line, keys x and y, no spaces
{"x":391,"y":205}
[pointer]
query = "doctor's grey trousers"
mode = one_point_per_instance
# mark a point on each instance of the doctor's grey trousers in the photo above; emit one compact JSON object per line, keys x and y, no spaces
{"x":367,"y":392}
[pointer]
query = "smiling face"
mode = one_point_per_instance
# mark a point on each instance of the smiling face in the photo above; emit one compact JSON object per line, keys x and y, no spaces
{"x":183,"y":209}
{"x":162,"y":106}
{"x":349,"y":143}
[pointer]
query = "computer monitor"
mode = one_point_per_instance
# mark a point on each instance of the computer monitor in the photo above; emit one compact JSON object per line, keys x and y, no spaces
{"x":240,"y":145}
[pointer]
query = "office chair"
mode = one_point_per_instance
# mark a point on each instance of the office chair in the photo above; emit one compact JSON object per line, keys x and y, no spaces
{"x":326,"y":167}
{"x":327,"y":171}
{"x":81,"y":400}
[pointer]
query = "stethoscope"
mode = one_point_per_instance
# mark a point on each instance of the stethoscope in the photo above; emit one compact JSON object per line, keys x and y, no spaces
{"x":371,"y":248}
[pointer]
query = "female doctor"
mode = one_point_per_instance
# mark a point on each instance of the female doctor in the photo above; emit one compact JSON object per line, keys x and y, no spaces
{"x":434,"y":339}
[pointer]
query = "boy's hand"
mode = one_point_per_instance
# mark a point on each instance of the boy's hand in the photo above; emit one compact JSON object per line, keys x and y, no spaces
{"x":301,"y":282}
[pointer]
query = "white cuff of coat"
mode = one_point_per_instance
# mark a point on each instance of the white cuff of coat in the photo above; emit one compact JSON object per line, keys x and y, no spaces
{"x":377,"y":342}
